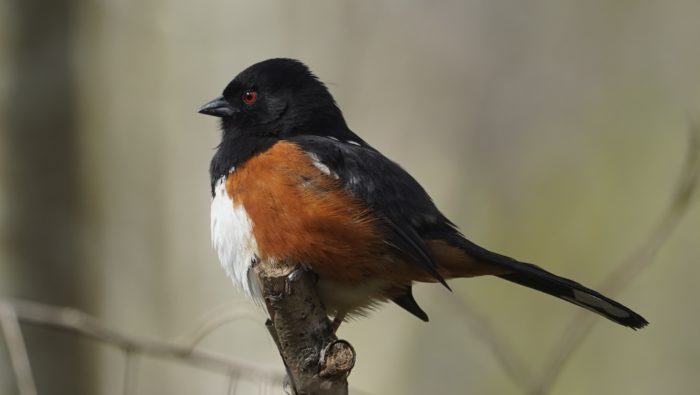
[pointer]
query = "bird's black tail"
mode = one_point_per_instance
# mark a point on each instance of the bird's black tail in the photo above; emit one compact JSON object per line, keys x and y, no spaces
{"x":541,"y":280}
{"x":537,"y":278}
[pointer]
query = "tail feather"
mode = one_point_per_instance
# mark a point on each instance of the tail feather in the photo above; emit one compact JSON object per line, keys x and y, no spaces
{"x":577,"y":294}
{"x":539,"y":279}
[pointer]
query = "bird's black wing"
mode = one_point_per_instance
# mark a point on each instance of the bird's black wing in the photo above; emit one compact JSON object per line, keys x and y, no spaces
{"x":390,"y":192}
{"x":410,"y":216}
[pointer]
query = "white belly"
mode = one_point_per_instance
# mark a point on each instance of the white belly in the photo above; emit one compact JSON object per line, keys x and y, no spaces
{"x":233,"y":240}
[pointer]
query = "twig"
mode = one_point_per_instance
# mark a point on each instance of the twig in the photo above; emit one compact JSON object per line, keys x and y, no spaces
{"x":581,"y":324}
{"x":505,"y":354}
{"x":213,"y":320}
{"x":17,"y":350}
{"x":317,"y":362}
{"x":75,"y":321}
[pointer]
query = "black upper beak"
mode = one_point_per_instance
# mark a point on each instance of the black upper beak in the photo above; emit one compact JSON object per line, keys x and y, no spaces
{"x":218,"y":107}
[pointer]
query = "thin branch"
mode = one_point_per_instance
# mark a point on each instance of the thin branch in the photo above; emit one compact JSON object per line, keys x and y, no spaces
{"x":511,"y":363}
{"x":74,"y":321}
{"x":215,"y":319}
{"x":581,"y":324}
{"x":17,"y":350}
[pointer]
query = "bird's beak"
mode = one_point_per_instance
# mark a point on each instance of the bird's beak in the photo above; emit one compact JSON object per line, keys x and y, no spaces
{"x":218,"y":107}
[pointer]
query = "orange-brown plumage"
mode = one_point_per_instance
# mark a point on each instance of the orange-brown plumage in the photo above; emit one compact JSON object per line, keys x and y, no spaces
{"x":453,"y":262}
{"x":300,"y":214}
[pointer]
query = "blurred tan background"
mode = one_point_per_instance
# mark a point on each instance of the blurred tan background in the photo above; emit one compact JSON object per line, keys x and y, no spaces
{"x":552,"y":131}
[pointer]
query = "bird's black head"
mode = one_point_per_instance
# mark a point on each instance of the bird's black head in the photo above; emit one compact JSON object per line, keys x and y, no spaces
{"x":276,"y":98}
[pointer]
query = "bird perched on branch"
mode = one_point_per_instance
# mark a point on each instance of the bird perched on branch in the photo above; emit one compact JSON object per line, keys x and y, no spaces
{"x":292,"y":183}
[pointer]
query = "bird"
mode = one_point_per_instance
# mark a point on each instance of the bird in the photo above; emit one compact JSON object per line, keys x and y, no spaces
{"x":292,"y":183}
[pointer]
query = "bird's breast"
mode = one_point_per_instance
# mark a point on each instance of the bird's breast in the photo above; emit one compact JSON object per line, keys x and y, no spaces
{"x":283,"y":206}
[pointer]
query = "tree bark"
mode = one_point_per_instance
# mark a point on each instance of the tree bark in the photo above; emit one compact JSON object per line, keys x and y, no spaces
{"x":317,"y":362}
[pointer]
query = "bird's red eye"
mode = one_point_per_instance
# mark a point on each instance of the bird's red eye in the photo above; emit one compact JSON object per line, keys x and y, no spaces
{"x":249,"y":97}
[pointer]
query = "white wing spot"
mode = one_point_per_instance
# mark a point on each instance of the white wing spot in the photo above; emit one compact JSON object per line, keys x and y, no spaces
{"x":354,"y":180}
{"x":320,"y":166}
{"x":353,"y":143}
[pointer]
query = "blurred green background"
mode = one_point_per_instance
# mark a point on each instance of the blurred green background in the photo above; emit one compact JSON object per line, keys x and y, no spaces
{"x":552,"y":131}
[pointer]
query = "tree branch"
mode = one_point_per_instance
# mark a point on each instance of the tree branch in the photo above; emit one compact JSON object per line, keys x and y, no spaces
{"x":17,"y":350}
{"x":75,"y":321}
{"x":317,"y":362}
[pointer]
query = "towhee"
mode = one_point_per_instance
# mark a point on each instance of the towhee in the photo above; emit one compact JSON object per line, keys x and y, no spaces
{"x":291,"y":183}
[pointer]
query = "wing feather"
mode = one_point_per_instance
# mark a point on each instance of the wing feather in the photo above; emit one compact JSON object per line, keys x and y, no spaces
{"x":395,"y":197}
